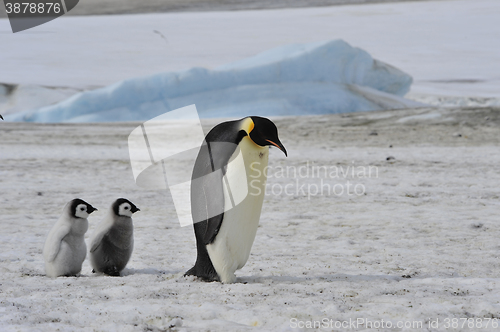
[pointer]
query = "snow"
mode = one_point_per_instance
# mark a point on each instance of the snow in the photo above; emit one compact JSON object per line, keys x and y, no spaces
{"x":421,"y":245}
{"x":301,"y":79}
{"x":449,"y":47}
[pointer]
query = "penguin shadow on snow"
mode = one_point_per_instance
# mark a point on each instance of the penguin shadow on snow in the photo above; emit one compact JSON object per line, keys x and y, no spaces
{"x":321,"y":278}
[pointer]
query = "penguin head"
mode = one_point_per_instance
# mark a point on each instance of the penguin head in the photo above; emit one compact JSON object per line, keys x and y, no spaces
{"x":81,"y":209}
{"x":262,"y":132}
{"x":124,"y":208}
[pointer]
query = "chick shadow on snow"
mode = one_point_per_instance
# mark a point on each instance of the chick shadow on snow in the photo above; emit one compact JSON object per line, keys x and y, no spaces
{"x":131,"y":271}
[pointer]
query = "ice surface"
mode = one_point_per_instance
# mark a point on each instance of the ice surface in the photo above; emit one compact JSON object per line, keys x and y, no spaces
{"x":299,"y":79}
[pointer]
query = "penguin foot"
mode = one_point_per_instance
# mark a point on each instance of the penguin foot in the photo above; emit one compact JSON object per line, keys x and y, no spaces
{"x":207,"y":276}
{"x":112,"y":271}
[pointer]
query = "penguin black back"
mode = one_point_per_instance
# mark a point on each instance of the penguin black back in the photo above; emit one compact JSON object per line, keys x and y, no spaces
{"x":226,"y":132}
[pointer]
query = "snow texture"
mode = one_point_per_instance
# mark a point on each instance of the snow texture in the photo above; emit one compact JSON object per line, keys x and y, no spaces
{"x":421,"y":245}
{"x":299,"y":79}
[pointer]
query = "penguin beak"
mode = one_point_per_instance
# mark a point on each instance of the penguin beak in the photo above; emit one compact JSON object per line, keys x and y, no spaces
{"x":279,"y":146}
{"x":134,"y":209}
{"x":91,"y":209}
{"x":1,"y":117}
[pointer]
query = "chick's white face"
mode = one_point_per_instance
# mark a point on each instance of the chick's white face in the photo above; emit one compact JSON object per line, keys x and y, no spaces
{"x":81,"y":211}
{"x":125,"y":210}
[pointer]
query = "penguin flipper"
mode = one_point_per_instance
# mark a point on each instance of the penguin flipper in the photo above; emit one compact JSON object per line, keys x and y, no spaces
{"x":94,"y":246}
{"x":53,"y":242}
{"x":101,"y":231}
{"x":96,"y":242}
{"x":207,"y":192}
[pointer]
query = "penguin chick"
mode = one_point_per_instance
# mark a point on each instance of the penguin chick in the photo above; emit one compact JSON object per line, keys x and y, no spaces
{"x":112,"y":243}
{"x":65,"y":250}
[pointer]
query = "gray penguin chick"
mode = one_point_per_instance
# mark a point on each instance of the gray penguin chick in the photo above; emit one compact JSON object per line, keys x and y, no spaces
{"x":112,"y":243}
{"x":65,"y":250}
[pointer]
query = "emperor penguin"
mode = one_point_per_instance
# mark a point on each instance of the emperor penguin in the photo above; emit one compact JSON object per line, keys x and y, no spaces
{"x":224,"y":236}
{"x":112,"y":242}
{"x":65,"y":249}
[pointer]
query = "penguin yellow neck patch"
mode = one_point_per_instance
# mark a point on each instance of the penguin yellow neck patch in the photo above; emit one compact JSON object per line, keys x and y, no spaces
{"x":247,"y":125}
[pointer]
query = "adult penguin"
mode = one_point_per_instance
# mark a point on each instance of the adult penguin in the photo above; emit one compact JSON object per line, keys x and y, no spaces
{"x":225,"y":229}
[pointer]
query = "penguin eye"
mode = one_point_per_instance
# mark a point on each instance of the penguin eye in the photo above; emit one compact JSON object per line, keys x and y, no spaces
{"x":126,"y":208}
{"x":82,"y":208}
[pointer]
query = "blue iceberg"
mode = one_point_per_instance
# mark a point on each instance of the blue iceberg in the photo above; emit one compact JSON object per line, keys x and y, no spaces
{"x":300,"y":79}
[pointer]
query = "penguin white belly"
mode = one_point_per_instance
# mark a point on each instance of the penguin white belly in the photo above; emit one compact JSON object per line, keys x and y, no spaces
{"x":231,"y":247}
